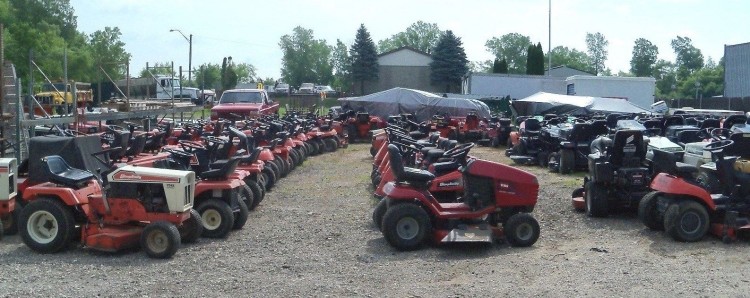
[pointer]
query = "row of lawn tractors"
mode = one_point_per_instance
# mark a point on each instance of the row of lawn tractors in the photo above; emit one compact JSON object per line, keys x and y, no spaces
{"x":153,"y":188}
{"x":432,"y":190}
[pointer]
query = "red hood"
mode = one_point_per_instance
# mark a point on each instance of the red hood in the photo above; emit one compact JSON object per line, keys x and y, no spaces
{"x":236,"y":107}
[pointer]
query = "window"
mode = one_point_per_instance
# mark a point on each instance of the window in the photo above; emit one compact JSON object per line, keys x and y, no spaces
{"x":241,"y":97}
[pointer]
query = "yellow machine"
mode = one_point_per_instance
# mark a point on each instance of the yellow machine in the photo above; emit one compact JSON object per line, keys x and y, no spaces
{"x":52,"y":99}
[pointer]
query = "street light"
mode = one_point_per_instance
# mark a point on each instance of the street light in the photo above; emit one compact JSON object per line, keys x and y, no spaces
{"x":190,"y":55}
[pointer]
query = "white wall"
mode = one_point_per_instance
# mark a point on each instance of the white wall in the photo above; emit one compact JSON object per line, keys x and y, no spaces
{"x":639,"y":91}
{"x":404,"y":57}
{"x":517,"y":87}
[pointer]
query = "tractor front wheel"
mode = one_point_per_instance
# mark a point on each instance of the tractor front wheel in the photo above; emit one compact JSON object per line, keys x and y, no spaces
{"x":686,"y":221}
{"x":330,"y":145}
{"x":10,"y":222}
{"x":192,"y":228}
{"x":217,"y":216}
{"x":240,"y":217}
{"x":596,"y":200}
{"x":406,"y":226}
{"x":647,"y":212}
{"x":378,"y":213}
{"x":521,"y":230}
{"x":160,"y":240}
{"x":48,"y":227}
{"x":567,"y":161}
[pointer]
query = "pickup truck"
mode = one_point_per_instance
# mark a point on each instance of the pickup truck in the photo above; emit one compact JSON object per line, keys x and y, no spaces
{"x":237,"y":104}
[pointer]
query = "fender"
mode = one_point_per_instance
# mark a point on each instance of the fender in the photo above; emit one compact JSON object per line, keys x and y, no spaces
{"x":673,"y":185}
{"x":68,"y":196}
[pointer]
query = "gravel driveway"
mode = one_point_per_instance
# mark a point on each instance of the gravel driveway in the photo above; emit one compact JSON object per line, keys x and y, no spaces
{"x":313,"y":236}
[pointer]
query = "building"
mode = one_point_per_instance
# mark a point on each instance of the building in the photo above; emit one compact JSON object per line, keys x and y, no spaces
{"x":404,"y":67}
{"x":737,"y":70}
{"x":566,"y":71}
{"x":640,"y":91}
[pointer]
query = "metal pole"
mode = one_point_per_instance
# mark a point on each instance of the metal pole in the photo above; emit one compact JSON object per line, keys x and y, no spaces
{"x":19,"y":114}
{"x":190,"y":62}
{"x":31,"y":83}
{"x":65,"y":81}
{"x":549,"y":41}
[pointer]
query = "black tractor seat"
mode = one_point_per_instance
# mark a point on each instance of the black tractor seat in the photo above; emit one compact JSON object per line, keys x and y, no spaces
{"x":442,"y":168}
{"x":418,"y":178}
{"x":433,"y":155}
{"x":244,"y":159}
{"x":223,"y":172}
{"x":58,"y":171}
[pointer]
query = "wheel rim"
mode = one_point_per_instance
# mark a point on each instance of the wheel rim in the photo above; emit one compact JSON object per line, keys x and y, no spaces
{"x":407,"y":228}
{"x":42,"y":227}
{"x":211,"y":219}
{"x":524,"y":232}
{"x":157,"y":241}
{"x":690,"y":222}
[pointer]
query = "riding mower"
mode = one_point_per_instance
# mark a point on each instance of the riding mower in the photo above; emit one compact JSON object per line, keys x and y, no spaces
{"x":447,"y":127}
{"x":530,"y":143}
{"x":617,"y":175}
{"x":574,"y":145}
{"x":359,"y":124}
{"x":496,"y":203}
{"x":687,"y":211}
{"x":707,"y":176}
{"x":498,"y":132}
{"x":128,"y":206}
{"x":471,"y":129}
{"x":8,"y":186}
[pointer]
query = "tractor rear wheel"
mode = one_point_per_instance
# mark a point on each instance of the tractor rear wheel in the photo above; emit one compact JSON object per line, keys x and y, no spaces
{"x":521,"y":230}
{"x":160,"y":239}
{"x":596,"y":200}
{"x":49,"y":225}
{"x":271,"y":171}
{"x":10,"y":222}
{"x":686,"y":221}
{"x":217,"y":216}
{"x":192,"y":228}
{"x":567,"y":161}
{"x":257,"y":193}
{"x":330,"y":145}
{"x":378,"y":213}
{"x":647,"y":212}
{"x":240,"y":218}
{"x":406,"y":226}
{"x":709,"y":181}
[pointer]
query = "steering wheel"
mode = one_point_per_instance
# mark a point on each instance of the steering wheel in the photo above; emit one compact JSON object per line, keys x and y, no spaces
{"x":459,"y":150}
{"x":187,"y":144}
{"x":718,"y":133}
{"x":115,"y":128}
{"x":216,"y":140}
{"x":178,"y":152}
{"x":73,"y":132}
{"x":718,"y":145}
{"x":704,"y":133}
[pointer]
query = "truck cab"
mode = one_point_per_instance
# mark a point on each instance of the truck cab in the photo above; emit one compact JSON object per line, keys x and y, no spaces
{"x":236,"y":104}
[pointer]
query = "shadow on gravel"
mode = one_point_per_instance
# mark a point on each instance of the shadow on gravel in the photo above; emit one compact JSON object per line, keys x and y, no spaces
{"x":380,"y":249}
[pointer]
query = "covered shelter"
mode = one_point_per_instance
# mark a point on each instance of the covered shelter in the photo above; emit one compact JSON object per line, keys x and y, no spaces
{"x":549,"y":103}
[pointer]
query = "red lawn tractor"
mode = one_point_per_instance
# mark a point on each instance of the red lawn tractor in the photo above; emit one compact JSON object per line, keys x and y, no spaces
{"x":129,"y":206}
{"x":496,"y":203}
{"x":8,"y":186}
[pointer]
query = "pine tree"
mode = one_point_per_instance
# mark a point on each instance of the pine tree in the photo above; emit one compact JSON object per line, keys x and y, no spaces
{"x":535,"y":60}
{"x":503,"y":66}
{"x":496,"y":66}
{"x":449,"y":63}
{"x":364,"y":58}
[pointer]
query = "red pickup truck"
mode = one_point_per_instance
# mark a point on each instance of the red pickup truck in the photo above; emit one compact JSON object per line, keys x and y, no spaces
{"x":236,"y":104}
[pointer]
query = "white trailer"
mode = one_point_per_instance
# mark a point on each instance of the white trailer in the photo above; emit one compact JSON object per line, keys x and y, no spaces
{"x":637,"y":90}
{"x":158,"y":87}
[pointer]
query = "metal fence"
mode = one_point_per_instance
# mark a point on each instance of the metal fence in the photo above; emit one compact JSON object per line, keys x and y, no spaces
{"x":719,"y":103}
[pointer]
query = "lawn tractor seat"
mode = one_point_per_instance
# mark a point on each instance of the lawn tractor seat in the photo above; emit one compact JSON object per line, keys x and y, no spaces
{"x":418,"y":178}
{"x":417,"y":135}
{"x":59,"y":172}
{"x":710,"y":123}
{"x":363,"y":117}
{"x":628,"y":149}
{"x":136,"y":147}
{"x":532,"y":126}
{"x":673,"y":120}
{"x":612,"y":120}
{"x":553,"y":121}
{"x":666,"y":162}
{"x":223,"y":172}
{"x":600,"y":146}
{"x":733,"y":120}
{"x":688,"y":136}
{"x":741,"y":146}
{"x":653,"y":124}
{"x":442,"y":168}
{"x":598,"y":128}
{"x":121,"y":140}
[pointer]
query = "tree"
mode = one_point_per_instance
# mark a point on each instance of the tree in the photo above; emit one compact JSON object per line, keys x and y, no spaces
{"x":108,"y":51}
{"x":305,"y":59}
{"x":665,"y":74}
{"x":342,"y":65}
{"x":364,"y":58}
{"x":689,"y":58}
{"x":596,"y":46}
{"x":449,"y":64}
{"x":512,"y":47}
{"x":496,"y":66}
{"x":420,"y":35}
{"x":571,"y":58}
{"x":159,"y":68}
{"x":245,"y":73}
{"x":535,"y":60}
{"x":644,"y":57}
{"x":208,"y":76}
{"x":503,"y":66}
{"x":228,"y":75}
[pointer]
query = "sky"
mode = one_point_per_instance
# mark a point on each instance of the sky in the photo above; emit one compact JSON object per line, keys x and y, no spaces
{"x":250,"y":31}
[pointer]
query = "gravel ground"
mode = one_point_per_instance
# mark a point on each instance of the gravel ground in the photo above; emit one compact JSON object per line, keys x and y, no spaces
{"x":313,"y":236}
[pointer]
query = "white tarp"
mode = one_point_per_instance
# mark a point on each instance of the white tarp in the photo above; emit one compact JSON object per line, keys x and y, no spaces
{"x":549,"y":103}
{"x":420,"y":103}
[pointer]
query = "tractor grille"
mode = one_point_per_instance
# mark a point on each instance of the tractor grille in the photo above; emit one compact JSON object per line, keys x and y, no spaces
{"x":479,"y":192}
{"x":188,"y":194}
{"x":11,"y":184}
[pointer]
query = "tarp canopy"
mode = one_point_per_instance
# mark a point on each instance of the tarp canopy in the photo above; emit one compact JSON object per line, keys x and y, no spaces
{"x":549,"y":103}
{"x":420,"y":103}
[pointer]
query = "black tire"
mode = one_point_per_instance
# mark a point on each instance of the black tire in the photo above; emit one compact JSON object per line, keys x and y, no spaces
{"x":290,"y":161}
{"x":247,"y":195}
{"x":520,"y":148}
{"x":647,"y":212}
{"x":406,"y":226}
{"x":273,"y":174}
{"x":1,"y":230}
{"x":596,"y":200}
{"x":330,"y":145}
{"x":10,"y":222}
{"x":49,"y":214}
{"x":240,"y":218}
{"x":542,"y":158}
{"x":521,"y":230}
{"x":257,"y":193}
{"x":296,"y":158}
{"x":317,"y":145}
{"x":567,"y":161}
{"x":495,"y":142}
{"x":266,"y":176}
{"x":509,"y":143}
{"x":709,"y":181}
{"x":218,"y":218}
{"x":283,"y":168}
{"x":352,"y":132}
{"x":160,"y":240}
{"x":373,"y":151}
{"x":553,"y":162}
{"x":192,"y":228}
{"x":378,"y":213}
{"x":686,"y":221}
